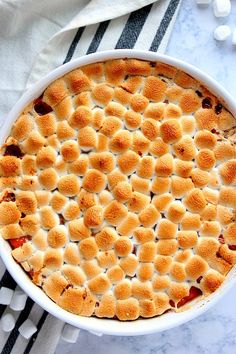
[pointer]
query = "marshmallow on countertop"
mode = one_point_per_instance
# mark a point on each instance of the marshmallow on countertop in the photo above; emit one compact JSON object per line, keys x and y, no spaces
{"x":27,"y":329}
{"x":5,"y":295}
{"x":70,"y":333}
{"x":8,"y":322}
{"x":203,"y":2}
{"x":221,"y":33}
{"x":18,"y":300}
{"x":222,"y":8}
{"x":234,"y":37}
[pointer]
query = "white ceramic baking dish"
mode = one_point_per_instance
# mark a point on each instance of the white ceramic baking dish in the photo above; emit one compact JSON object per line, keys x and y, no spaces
{"x":93,"y":324}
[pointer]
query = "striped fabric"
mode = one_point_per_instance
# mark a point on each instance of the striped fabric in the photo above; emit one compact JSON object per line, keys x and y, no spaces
{"x":142,"y":29}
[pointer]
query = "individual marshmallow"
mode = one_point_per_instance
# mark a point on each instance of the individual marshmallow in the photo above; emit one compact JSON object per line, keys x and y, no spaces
{"x":222,"y":8}
{"x":8,"y":322}
{"x":70,"y":333}
{"x":234,"y":37}
{"x":221,"y":33}
{"x":27,"y":329}
{"x":18,"y":300}
{"x":5,"y":295}
{"x":203,"y":2}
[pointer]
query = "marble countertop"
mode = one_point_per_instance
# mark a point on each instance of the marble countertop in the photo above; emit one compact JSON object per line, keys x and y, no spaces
{"x":215,"y":331}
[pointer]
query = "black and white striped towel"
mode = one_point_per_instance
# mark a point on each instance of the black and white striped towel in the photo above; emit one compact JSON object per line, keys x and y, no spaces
{"x":97,"y":27}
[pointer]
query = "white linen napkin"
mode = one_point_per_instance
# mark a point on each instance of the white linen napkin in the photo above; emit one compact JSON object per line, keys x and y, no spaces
{"x":37,"y":36}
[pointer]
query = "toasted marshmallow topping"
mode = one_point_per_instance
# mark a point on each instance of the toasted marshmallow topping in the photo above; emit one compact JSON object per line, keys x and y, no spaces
{"x":117,"y":190}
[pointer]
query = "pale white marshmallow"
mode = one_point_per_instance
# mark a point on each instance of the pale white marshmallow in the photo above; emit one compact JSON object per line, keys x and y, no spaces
{"x":221,"y":33}
{"x":70,"y":333}
{"x":203,"y":2}
{"x":18,"y":300}
{"x":221,"y":8}
{"x":27,"y":329}
{"x":8,"y":322}
{"x":5,"y":295}
{"x":234,"y":37}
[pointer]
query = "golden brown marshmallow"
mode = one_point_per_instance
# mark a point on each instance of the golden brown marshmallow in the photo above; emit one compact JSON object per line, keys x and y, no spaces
{"x":93,"y":216}
{"x":143,"y":235}
{"x":110,"y":126}
{"x":69,"y":185}
{"x":81,"y":117}
{"x":87,"y":138}
{"x":9,"y":213}
{"x":9,"y":166}
{"x":70,"y":151}
{"x":77,"y":230}
{"x":106,"y":238}
{"x":164,"y":165}
{"x":115,"y":212}
{"x":94,"y":181}
{"x":160,"y":185}
{"x":22,"y":127}
{"x":204,"y":139}
{"x":154,"y":88}
{"x":132,"y":119}
{"x":140,"y":143}
{"x":121,"y":142}
{"x":57,"y":237}
{"x":170,"y":131}
{"x":175,"y":212}
{"x":149,"y":216}
{"x":228,"y":172}
{"x":195,"y":200}
{"x":145,"y":168}
{"x":138,"y":201}
{"x":48,"y":178}
{"x":102,"y":161}
{"x":158,"y":147}
{"x":140,"y":184}
{"x":185,"y":149}
{"x":88,"y":248}
{"x":150,"y":128}
{"x":128,"y":224}
{"x":80,"y":166}
{"x":128,"y":161}
{"x":122,"y":192}
{"x":26,"y":202}
{"x":166,"y":229}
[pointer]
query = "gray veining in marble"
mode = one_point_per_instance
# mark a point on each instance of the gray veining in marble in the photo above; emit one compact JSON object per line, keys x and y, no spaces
{"x":215,"y":331}
{"x":211,"y":333}
{"x":192,"y":40}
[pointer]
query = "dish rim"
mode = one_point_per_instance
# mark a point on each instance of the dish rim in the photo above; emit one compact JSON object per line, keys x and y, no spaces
{"x":101,"y":325}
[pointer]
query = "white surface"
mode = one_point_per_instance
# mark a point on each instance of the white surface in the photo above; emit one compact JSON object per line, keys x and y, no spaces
{"x":70,"y":333}
{"x":5,"y":295}
{"x":215,"y":331}
{"x":234,"y":37}
{"x":193,"y":42}
{"x":222,"y":8}
{"x":7,"y":322}
{"x":203,"y":2}
{"x":27,"y":329}
{"x":222,"y":32}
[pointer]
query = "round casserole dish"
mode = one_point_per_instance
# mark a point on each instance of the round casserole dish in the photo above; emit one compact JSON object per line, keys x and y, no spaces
{"x":110,"y":326}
